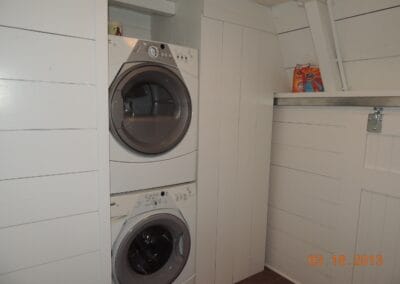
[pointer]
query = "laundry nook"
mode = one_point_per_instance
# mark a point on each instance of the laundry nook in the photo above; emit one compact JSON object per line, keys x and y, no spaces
{"x":199,"y":142}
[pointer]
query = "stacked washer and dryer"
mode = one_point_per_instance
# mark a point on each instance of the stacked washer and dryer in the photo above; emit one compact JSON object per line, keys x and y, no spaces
{"x":153,"y":98}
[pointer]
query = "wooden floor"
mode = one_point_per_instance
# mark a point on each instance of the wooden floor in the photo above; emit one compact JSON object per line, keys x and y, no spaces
{"x":266,"y":277}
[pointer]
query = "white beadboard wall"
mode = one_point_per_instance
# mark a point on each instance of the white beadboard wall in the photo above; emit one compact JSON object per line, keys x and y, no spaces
{"x":134,"y":24}
{"x":334,"y":191}
{"x":367,"y":34}
{"x":54,"y":220}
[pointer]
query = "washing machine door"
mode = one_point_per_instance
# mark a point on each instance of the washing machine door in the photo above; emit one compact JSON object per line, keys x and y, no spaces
{"x":154,"y":250}
{"x":150,"y":108}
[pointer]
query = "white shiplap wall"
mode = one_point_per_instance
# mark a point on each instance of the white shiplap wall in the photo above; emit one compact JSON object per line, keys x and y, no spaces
{"x":367,"y":36}
{"x":334,"y":191}
{"x":134,"y":24}
{"x":53,"y":151}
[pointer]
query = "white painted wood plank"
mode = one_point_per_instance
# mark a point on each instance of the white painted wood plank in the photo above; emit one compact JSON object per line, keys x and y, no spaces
{"x":228,"y":156}
{"x":244,"y":13}
{"x":250,"y":88}
{"x":314,"y":116}
{"x":302,"y":229}
{"x":268,"y":64}
{"x":209,"y":126}
{"x":36,"y":199}
{"x":30,"y":55}
{"x":318,"y":137}
{"x":39,"y":105}
{"x":298,"y":48}
{"x":305,"y":184}
{"x":322,"y":163}
{"x":73,"y":17}
{"x":39,"y":243}
{"x":287,"y":245}
{"x":82,"y":269}
{"x":34,"y":153}
{"x":103,"y":187}
{"x":291,"y":191}
{"x":362,"y":75}
{"x":370,"y":36}
{"x":348,"y":8}
{"x":289,"y":16}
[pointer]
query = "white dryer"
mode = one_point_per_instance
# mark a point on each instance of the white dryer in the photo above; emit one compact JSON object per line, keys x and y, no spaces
{"x":153,"y":100}
{"x":153,"y":235}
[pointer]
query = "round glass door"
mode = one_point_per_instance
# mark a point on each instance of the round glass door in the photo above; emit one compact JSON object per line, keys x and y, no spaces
{"x":154,"y":251}
{"x":150,"y":109}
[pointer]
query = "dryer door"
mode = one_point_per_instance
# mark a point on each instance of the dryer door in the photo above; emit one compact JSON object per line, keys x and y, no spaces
{"x":155,"y":250}
{"x":150,"y":108}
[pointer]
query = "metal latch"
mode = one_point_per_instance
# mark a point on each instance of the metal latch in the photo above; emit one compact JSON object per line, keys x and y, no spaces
{"x":375,"y":120}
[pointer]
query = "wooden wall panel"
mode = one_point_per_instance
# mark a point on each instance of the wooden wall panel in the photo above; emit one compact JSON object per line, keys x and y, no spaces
{"x":244,"y":13}
{"x":27,"y":55}
{"x":37,"y":153}
{"x":367,"y":39}
{"x":35,"y":199}
{"x":79,"y":269}
{"x":208,"y":168}
{"x":73,"y":17}
{"x":39,"y":243}
{"x":40,"y":105}
{"x":228,"y":156}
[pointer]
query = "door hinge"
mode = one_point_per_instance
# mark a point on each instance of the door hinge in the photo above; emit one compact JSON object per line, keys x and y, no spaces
{"x":375,"y":120}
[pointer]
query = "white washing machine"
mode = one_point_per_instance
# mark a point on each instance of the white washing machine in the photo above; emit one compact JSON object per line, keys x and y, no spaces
{"x":153,"y":101}
{"x":153,"y":235}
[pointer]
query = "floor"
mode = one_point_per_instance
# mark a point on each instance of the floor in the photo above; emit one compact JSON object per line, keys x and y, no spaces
{"x":266,"y":277}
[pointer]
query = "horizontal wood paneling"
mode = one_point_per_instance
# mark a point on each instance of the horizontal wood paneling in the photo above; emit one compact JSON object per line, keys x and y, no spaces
{"x":373,"y":74}
{"x":34,"y":153}
{"x":297,"y":48}
{"x":370,"y":36}
{"x":82,"y":269}
{"x":317,"y":137}
{"x":368,"y":40}
{"x":44,"y":198}
{"x":39,"y":243}
{"x":29,"y":55}
{"x":282,"y":258}
{"x":39,"y":105}
{"x":323,"y":163}
{"x":318,"y":236}
{"x":348,"y":8}
{"x":73,"y":17}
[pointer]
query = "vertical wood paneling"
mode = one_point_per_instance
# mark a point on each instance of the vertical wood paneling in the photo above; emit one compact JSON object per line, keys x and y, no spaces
{"x":244,"y":13}
{"x":228,"y":156}
{"x":209,"y":127}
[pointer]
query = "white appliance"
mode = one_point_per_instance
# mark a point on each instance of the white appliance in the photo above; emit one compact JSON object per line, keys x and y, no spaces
{"x":153,"y":235}
{"x":153,"y":101}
